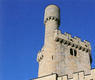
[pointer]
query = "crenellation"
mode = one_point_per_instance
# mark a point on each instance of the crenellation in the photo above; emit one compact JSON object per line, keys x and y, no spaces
{"x":87,"y":44}
{"x":77,"y":39}
{"x":74,"y":42}
{"x":74,"y":39}
{"x":67,"y":35}
{"x":93,"y":74}
{"x":76,"y":76}
{"x":59,"y":78}
{"x":65,"y":77}
{"x":81,"y":75}
{"x":66,"y":56}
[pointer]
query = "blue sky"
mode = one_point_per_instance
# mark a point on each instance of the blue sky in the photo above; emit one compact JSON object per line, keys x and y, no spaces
{"x":22,"y":32}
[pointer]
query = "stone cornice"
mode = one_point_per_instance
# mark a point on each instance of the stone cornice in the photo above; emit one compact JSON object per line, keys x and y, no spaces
{"x":75,"y":42}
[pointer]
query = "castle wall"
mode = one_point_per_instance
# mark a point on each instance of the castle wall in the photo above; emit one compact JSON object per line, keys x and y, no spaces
{"x":55,"y":57}
{"x":76,"y":76}
{"x":62,"y":54}
{"x":69,"y":63}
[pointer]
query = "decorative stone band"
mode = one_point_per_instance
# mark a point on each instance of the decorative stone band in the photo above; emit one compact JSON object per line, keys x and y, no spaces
{"x":53,"y":19}
{"x":73,"y":42}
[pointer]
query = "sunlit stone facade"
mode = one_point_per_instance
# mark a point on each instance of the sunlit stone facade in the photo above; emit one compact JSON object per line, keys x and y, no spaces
{"x":63,"y":57}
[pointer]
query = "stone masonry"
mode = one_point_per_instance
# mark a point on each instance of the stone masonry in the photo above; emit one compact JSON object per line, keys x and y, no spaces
{"x":76,"y":76}
{"x":63,"y":54}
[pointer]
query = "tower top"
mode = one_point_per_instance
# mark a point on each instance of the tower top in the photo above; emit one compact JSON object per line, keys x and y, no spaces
{"x":52,"y":11}
{"x":62,"y":54}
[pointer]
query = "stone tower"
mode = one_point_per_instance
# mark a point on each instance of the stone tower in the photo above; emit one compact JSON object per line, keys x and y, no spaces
{"x":62,"y":54}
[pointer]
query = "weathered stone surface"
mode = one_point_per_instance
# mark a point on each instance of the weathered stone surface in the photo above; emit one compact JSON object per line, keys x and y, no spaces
{"x":47,"y":77}
{"x":76,"y":76}
{"x":62,"y":54}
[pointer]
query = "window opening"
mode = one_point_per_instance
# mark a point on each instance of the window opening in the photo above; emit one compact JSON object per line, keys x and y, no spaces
{"x":71,"y":51}
{"x":75,"y":52}
{"x":52,"y":57}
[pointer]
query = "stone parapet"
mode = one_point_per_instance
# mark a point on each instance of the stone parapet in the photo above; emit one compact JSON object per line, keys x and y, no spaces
{"x":76,"y":76}
{"x":76,"y":42}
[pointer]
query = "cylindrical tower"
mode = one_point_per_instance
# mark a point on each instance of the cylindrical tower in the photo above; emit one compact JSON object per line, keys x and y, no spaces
{"x":51,"y":20}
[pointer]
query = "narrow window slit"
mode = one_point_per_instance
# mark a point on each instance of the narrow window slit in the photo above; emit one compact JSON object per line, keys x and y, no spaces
{"x":52,"y":57}
{"x":71,"y":51}
{"x":75,"y":52}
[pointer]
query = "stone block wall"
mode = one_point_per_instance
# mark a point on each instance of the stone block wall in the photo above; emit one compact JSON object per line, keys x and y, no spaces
{"x":61,"y":53}
{"x":58,"y":59}
{"x":76,"y":76}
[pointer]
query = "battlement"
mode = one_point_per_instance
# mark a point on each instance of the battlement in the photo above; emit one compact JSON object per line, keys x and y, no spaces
{"x":76,"y":76}
{"x":61,"y":53}
{"x":76,"y":42}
